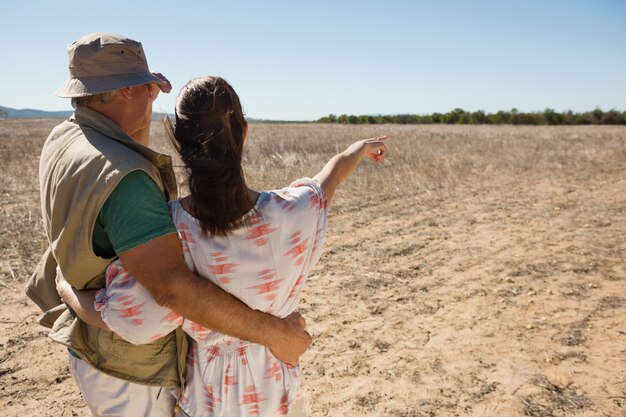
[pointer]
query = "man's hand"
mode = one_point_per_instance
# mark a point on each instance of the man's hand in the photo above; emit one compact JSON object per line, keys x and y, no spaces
{"x":297,"y":340}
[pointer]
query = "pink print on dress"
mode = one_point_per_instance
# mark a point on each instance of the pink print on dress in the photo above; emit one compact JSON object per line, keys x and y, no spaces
{"x":314,"y":200}
{"x":198,"y":332}
{"x":295,"y":290}
{"x":253,"y":219}
{"x":267,"y":274}
{"x":299,"y":248}
{"x":195,"y":327}
{"x":222,"y":269}
{"x":186,"y":237}
{"x":123,"y":279}
{"x":212,"y":352}
{"x":275,"y":372}
{"x":242,"y":352}
{"x":132,"y":312}
{"x":260,"y":234}
{"x":210,"y":398}
{"x":126,"y":300}
{"x":229,"y":378}
{"x":318,"y":201}
{"x":267,"y":287}
{"x":280,"y":196}
{"x":219,"y":256}
{"x":252,"y":398}
{"x":283,"y":410}
{"x":112,"y":270}
{"x":285,"y":204}
{"x":172,"y":317}
{"x":295,"y":237}
{"x":270,"y":297}
{"x":288,"y":206}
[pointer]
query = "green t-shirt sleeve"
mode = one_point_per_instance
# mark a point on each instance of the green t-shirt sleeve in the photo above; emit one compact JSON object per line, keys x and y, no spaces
{"x":135,"y":213}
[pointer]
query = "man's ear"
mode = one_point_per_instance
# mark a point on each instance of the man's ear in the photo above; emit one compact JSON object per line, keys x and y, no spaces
{"x":125,"y":93}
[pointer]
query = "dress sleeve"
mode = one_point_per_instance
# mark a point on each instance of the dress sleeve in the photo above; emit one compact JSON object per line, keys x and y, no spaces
{"x":129,"y":309}
{"x":307,"y":205}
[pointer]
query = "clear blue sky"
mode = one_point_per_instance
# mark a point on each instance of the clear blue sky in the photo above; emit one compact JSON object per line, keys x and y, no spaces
{"x":302,"y":60}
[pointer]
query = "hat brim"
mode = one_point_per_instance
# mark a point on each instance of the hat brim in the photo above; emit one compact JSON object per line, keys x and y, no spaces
{"x":88,"y":86}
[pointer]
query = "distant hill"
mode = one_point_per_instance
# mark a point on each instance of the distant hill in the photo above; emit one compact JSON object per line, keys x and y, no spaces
{"x":42,"y":114}
{"x":35,"y":114}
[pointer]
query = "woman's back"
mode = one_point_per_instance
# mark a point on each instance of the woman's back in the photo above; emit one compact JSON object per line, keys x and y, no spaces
{"x":261,"y":262}
{"x":264,"y":264}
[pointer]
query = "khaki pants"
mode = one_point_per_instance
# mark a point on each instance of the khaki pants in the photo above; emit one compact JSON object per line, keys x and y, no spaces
{"x":107,"y":396}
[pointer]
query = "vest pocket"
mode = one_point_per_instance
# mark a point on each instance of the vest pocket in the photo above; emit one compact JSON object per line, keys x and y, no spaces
{"x":150,"y":364}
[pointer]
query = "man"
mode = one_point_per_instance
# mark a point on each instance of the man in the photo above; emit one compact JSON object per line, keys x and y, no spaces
{"x":103,"y":196}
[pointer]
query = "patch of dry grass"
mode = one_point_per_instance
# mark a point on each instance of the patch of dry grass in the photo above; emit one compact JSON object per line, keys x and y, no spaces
{"x":425,"y":164}
{"x":22,"y":241}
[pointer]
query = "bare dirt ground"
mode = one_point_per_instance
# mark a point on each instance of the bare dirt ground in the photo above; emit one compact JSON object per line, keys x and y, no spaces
{"x":479,"y":271}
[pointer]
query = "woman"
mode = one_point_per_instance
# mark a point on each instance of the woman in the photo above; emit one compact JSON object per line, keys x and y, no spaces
{"x":257,"y":246}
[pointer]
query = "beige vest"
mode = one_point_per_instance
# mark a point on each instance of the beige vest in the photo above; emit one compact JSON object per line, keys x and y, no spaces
{"x":82,"y":161}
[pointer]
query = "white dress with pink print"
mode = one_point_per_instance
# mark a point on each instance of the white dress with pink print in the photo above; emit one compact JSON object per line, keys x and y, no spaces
{"x":264,"y":264}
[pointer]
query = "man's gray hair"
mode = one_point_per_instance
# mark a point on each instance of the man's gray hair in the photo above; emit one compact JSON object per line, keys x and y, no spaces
{"x":88,"y":101}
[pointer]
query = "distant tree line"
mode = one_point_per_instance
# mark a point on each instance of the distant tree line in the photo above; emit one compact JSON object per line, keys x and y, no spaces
{"x":513,"y":117}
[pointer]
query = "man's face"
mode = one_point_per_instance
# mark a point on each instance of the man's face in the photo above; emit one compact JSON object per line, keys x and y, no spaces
{"x":141,"y":103}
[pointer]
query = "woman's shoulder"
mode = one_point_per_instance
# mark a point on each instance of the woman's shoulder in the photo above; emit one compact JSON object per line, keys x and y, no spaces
{"x":302,"y":193}
{"x":299,"y":206}
{"x":184,"y":222}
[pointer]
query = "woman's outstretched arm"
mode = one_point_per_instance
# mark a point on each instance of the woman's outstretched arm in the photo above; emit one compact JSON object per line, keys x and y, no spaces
{"x":342,"y":165}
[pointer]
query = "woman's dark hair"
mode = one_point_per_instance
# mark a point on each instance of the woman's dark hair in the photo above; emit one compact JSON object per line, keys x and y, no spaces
{"x":208,"y":134}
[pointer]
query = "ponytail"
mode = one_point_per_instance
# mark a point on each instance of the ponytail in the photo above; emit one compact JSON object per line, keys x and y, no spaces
{"x":208,"y":134}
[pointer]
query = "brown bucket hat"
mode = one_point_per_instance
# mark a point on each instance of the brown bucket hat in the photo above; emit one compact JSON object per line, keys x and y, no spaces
{"x":100,"y":62}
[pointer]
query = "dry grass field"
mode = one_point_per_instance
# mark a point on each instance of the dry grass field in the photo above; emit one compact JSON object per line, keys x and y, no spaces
{"x":478,"y":271}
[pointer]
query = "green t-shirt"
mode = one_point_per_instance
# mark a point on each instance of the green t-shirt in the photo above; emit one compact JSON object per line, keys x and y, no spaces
{"x":135,"y":213}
